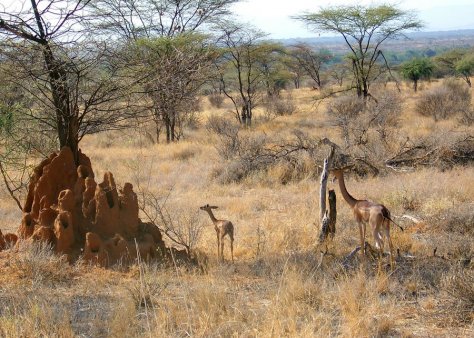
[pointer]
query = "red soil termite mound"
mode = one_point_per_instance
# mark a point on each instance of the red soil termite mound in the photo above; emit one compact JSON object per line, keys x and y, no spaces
{"x":79,"y":217}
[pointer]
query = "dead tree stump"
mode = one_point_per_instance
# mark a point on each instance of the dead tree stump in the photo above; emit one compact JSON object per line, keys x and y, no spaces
{"x":328,"y":220}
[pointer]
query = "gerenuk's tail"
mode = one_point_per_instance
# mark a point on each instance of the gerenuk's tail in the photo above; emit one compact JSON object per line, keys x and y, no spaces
{"x":386,"y":214}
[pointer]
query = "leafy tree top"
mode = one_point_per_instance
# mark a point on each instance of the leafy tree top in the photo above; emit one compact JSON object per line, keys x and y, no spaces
{"x":364,"y":29}
{"x":417,"y":68}
{"x":362,"y":24}
{"x":465,"y":66}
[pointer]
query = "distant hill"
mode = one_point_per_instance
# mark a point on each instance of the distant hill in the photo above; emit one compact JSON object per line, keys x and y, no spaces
{"x":415,"y":41}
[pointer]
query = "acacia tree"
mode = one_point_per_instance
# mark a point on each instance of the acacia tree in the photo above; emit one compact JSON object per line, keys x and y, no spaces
{"x":19,"y":137}
{"x":71,"y":77}
{"x":416,"y":69}
{"x":238,"y":67}
{"x":465,"y":68}
{"x":457,"y":62}
{"x":270,"y":64}
{"x":339,"y":72}
{"x":175,"y":70}
{"x":446,"y":62}
{"x":364,"y":30}
{"x":296,"y":73}
{"x":310,"y":61}
{"x":134,"y":19}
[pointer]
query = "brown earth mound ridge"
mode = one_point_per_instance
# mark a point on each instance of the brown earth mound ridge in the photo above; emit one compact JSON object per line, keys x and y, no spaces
{"x":79,"y":217}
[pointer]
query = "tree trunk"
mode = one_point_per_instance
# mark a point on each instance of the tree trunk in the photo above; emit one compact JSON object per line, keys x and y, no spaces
{"x":66,"y":120}
{"x":157,"y":130}
{"x":318,"y":81}
{"x":365,"y":90}
{"x":415,"y":85}
{"x":332,"y":213}
{"x":246,"y":114}
{"x":328,"y":222}
{"x":168,"y":130}
{"x":468,"y":80}
{"x":296,"y":81}
{"x":249,"y":114}
{"x":173,"y":125}
{"x":249,"y":120}
{"x":269,"y":89}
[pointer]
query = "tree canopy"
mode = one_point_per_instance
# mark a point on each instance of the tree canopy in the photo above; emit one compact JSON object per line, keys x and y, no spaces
{"x":134,"y":19}
{"x":70,"y":75}
{"x":364,"y":29}
{"x":173,"y":69}
{"x":417,"y":69}
{"x":465,"y":67}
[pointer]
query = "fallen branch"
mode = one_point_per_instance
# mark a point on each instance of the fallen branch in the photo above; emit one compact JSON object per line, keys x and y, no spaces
{"x":411,"y":218}
{"x":351,"y":255}
{"x":323,"y":253}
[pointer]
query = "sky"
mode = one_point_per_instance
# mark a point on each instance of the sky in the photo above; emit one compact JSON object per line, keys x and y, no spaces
{"x":274,"y":16}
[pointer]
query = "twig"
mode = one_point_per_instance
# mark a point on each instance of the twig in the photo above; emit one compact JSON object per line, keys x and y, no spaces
{"x":7,"y":185}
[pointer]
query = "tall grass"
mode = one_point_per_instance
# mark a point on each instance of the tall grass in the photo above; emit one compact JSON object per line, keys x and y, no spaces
{"x":276,"y":287}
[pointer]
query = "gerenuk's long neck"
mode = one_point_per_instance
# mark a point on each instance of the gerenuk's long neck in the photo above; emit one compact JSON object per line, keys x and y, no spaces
{"x":211,"y":215}
{"x":342,"y":186}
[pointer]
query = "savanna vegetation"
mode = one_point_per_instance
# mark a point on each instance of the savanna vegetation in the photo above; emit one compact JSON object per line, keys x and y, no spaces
{"x":243,"y":123}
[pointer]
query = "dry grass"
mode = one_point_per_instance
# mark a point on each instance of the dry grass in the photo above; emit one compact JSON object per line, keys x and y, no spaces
{"x":276,"y":286}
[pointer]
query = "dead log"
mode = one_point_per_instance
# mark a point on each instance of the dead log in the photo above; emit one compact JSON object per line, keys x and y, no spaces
{"x":351,"y":256}
{"x":346,"y":263}
{"x":411,"y":218}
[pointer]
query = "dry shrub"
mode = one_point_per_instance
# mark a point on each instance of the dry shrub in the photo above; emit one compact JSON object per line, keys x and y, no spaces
{"x":185,"y":154}
{"x":227,"y":132}
{"x":357,"y":119}
{"x":459,"y":305}
{"x":368,"y":128}
{"x":442,"y":150}
{"x":409,"y":200}
{"x":181,"y":225}
{"x":230,"y":173}
{"x":384,"y":114}
{"x":458,"y":220}
{"x":191,"y":120}
{"x":280,"y":106}
{"x":343,"y":112}
{"x":249,"y":157}
{"x":467,"y":116}
{"x":38,"y":262}
{"x":216,"y":100}
{"x":453,"y":97}
{"x":254,"y":154}
{"x":301,"y":166}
